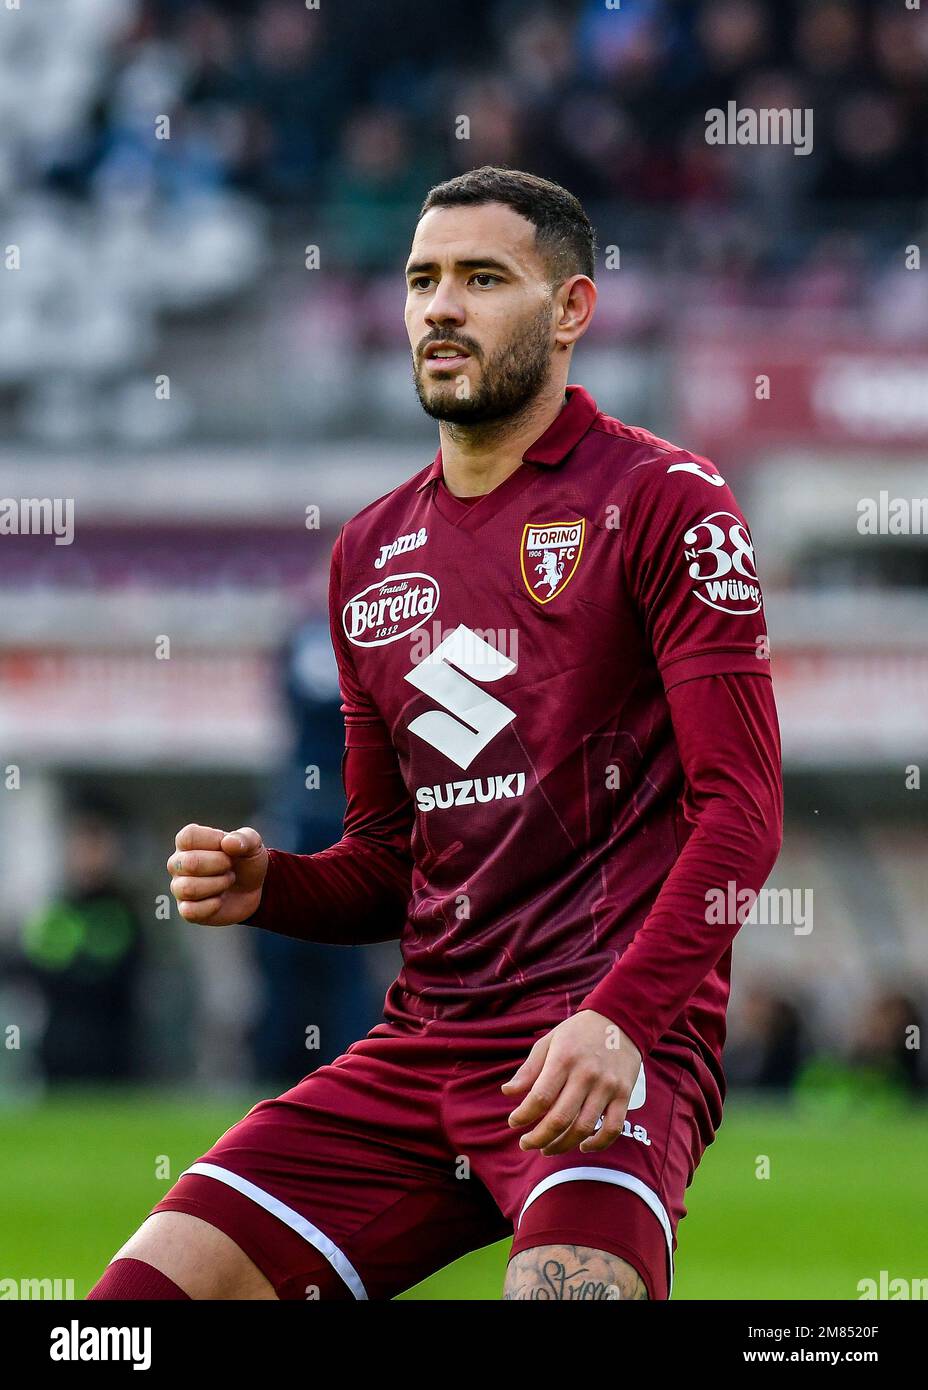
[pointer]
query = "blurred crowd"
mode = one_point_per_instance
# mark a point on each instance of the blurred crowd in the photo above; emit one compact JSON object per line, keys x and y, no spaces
{"x":352,"y":108}
{"x":159,"y":156}
{"x":353,"y":102}
{"x":776,"y":1048}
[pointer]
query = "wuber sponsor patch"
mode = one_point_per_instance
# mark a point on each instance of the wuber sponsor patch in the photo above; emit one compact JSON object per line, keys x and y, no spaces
{"x":550,"y":555}
{"x":720,"y":559}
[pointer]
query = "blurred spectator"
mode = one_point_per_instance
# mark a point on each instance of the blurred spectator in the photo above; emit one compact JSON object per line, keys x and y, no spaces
{"x":85,"y":951}
{"x":373,"y":191}
{"x":768,"y":1049}
{"x":888,"y":1042}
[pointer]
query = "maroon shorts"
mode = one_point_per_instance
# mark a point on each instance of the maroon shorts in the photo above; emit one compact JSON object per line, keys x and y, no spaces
{"x":372,"y":1173}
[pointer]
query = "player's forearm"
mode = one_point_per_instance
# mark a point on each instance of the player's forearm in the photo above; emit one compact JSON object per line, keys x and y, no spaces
{"x":354,"y":893}
{"x":731,"y":755}
{"x":677,"y":946}
{"x":358,"y":890}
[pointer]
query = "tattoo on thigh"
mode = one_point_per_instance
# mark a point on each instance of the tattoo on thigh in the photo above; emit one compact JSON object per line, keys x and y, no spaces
{"x":560,"y":1272}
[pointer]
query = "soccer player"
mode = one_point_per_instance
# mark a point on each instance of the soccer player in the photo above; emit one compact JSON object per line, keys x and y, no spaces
{"x":561,"y":756}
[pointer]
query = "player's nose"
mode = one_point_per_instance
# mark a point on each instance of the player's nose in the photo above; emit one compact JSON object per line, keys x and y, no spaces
{"x":444,"y":308}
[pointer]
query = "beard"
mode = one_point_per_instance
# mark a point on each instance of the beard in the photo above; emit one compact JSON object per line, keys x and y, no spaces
{"x":511,"y":378}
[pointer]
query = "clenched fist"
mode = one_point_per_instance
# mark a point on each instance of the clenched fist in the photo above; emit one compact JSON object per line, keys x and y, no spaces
{"x":217,"y":875}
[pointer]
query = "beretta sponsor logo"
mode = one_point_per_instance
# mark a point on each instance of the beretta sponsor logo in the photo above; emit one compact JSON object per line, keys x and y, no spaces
{"x":386,"y":611}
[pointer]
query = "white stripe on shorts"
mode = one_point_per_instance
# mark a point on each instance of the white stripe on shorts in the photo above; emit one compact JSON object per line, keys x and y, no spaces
{"x":612,"y":1175}
{"x":310,"y":1233}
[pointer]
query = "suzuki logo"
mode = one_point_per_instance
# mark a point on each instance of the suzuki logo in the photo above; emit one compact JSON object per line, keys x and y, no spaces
{"x":475,"y":717}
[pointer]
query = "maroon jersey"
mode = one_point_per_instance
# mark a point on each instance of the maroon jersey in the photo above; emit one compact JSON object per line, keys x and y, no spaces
{"x":521,"y":652}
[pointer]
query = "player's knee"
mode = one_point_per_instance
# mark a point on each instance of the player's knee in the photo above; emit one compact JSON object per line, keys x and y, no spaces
{"x":202,"y":1260}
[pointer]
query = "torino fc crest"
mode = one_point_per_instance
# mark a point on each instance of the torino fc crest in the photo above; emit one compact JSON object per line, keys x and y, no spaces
{"x":550,"y":555}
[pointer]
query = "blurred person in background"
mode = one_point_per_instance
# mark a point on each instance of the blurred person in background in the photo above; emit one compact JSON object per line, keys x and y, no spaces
{"x":370,"y":189}
{"x":309,"y":985}
{"x":767,"y":1050}
{"x":84,"y":949}
{"x":887,"y":1045}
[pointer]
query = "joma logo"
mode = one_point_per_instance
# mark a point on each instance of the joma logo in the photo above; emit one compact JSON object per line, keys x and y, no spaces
{"x":413,"y":541}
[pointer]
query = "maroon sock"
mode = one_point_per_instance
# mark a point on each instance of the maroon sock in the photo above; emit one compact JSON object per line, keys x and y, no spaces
{"x":134,"y":1280}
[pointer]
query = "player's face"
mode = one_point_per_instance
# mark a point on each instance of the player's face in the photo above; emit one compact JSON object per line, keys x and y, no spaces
{"x":479,"y":313}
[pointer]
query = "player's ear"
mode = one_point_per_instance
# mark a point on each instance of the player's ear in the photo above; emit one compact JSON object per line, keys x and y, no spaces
{"x":575,"y":302}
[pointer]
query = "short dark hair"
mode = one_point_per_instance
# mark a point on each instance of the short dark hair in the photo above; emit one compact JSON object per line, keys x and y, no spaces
{"x":564,"y":234}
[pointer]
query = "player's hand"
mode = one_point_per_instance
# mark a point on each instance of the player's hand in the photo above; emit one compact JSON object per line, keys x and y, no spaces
{"x":217,"y":875}
{"x":583,"y":1069}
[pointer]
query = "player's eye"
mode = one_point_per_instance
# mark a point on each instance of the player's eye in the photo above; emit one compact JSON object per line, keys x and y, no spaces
{"x":418,"y":281}
{"x":485,"y":275}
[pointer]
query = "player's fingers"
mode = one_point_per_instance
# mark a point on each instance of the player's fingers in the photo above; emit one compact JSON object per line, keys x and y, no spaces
{"x":584,"y":1125}
{"x":558,"y":1117}
{"x":194,"y":890}
{"x":199,"y":861}
{"x":545,"y":1090}
{"x":242,"y":842}
{"x":530,"y":1069}
{"x":249,"y":857}
{"x":199,"y":912}
{"x":195,"y":836}
{"x":613,"y":1120}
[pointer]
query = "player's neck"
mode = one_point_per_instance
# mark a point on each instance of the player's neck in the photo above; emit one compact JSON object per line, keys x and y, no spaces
{"x":477,"y":458}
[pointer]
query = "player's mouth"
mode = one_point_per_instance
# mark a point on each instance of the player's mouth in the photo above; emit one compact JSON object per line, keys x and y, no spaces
{"x":445,"y":357}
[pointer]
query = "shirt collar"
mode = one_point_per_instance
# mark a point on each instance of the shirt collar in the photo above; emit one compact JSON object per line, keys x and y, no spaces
{"x":564,"y":432}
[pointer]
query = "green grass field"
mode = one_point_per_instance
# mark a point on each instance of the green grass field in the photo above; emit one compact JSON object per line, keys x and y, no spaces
{"x":844,"y":1200}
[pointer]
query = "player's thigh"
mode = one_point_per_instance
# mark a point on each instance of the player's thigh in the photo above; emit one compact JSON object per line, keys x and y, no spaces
{"x":562,"y":1273}
{"x":590,"y":1239}
{"x":201,"y":1259}
{"x":626,"y":1200}
{"x":345,"y":1186}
